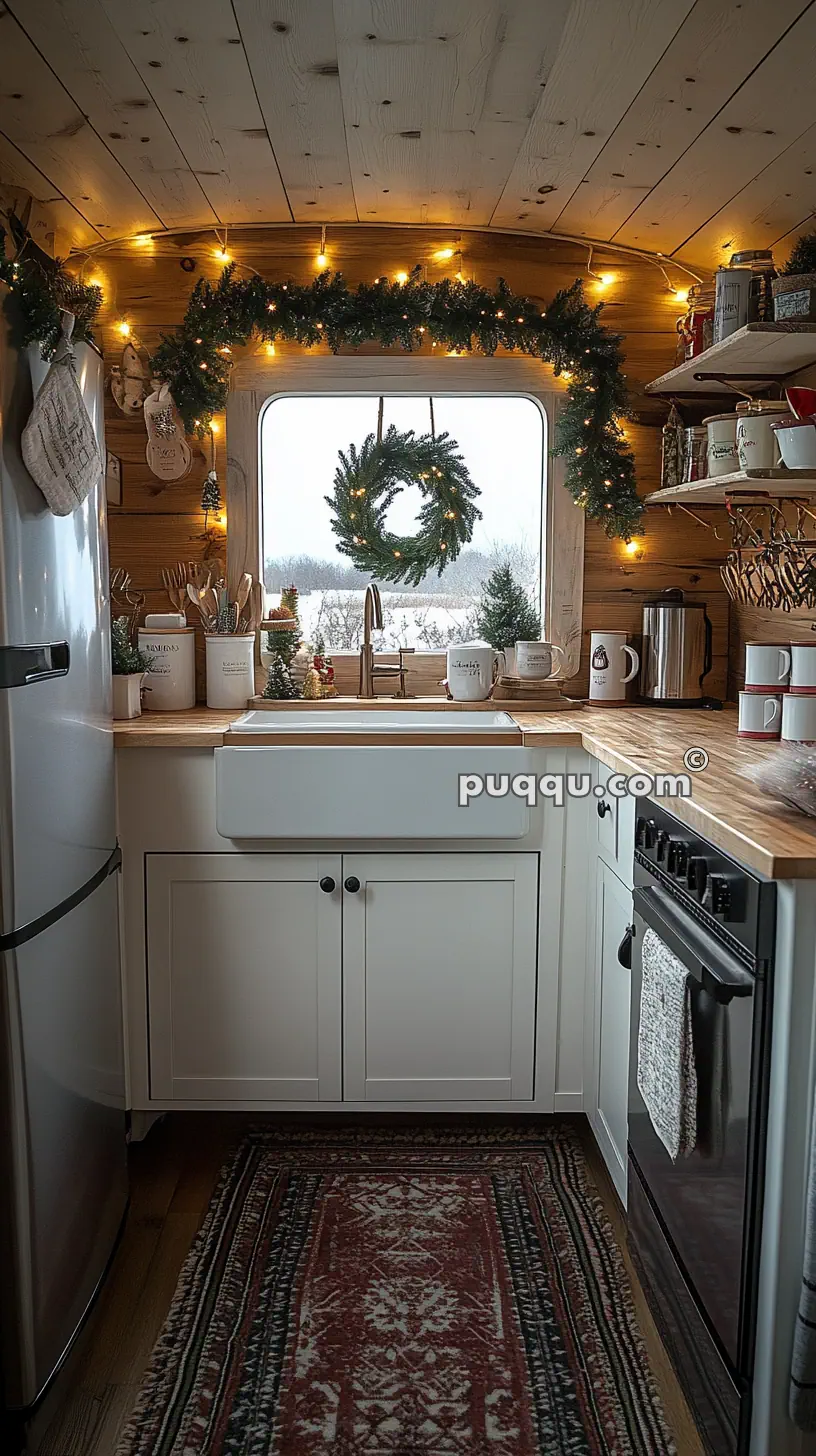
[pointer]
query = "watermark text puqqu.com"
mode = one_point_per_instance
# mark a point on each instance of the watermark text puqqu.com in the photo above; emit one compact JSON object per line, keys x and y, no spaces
{"x":556,"y":788}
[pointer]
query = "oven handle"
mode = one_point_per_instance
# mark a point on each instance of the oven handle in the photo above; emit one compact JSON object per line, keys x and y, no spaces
{"x":719,"y":972}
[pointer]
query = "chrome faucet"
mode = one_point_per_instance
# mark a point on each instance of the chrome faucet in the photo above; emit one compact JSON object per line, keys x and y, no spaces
{"x":373,"y":620}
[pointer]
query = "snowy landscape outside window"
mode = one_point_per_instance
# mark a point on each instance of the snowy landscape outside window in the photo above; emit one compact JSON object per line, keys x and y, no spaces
{"x":502,"y":439}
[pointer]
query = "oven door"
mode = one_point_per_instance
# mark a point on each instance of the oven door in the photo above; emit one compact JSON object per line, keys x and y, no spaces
{"x":705,"y":1203}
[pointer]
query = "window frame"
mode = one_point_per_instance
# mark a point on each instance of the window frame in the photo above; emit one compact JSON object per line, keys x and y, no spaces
{"x":258,"y":381}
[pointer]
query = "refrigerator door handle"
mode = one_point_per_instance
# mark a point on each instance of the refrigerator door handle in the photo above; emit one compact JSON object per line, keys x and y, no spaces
{"x":15,"y":938}
{"x":20,"y":666}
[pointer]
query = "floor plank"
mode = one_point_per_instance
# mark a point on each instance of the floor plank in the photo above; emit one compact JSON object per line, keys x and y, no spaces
{"x":173,"y":1173}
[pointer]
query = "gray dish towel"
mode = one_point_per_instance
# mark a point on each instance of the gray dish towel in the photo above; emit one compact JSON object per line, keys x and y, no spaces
{"x":666,"y":1072}
{"x":803,"y":1365}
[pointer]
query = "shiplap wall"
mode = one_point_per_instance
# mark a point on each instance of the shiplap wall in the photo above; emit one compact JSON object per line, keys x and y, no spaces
{"x":157,"y":524}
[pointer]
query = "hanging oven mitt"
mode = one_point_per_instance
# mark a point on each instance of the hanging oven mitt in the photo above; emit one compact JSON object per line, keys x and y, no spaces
{"x":60,"y":448}
{"x":168,"y":454}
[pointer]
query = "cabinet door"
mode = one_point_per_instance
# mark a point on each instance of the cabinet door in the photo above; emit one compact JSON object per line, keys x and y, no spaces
{"x":244,"y":977}
{"x":439,"y":976}
{"x":609,"y":1088}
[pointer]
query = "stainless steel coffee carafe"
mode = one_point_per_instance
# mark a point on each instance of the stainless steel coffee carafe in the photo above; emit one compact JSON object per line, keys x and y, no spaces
{"x":676,"y":651}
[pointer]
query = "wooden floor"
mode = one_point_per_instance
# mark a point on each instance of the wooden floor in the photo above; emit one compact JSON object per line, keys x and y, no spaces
{"x":173,"y":1172}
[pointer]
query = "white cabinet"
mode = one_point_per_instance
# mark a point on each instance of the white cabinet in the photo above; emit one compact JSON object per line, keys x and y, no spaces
{"x":244,"y":977}
{"x":439,"y":968}
{"x":614,"y":820}
{"x":607,"y":1094}
{"x":432,"y":959}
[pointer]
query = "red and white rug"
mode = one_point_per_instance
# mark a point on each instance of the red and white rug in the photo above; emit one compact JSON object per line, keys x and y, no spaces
{"x":401,"y":1293}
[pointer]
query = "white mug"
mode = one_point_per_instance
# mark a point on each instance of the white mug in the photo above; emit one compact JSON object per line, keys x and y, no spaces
{"x":803,"y":667}
{"x":608,"y":677}
{"x":799,"y":718}
{"x":767,"y":667}
{"x":534,"y":660}
{"x":760,"y":715}
{"x":472,"y":670}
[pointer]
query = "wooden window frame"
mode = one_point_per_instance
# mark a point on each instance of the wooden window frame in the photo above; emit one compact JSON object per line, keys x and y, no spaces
{"x":257,"y":381}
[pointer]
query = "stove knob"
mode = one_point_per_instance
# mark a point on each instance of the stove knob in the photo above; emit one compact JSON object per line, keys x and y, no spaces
{"x":645,"y":833}
{"x":696,"y":876}
{"x":662,"y":844}
{"x":720,"y":893}
{"x":678,"y":857}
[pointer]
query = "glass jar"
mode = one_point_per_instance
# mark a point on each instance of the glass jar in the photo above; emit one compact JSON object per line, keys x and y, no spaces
{"x":695,"y":453}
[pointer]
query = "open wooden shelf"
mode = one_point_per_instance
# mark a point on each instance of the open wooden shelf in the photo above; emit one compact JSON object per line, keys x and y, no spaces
{"x":742,"y":484}
{"x":782,"y":349}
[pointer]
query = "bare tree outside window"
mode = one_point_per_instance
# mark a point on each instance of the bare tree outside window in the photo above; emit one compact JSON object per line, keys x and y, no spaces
{"x":502,"y":439}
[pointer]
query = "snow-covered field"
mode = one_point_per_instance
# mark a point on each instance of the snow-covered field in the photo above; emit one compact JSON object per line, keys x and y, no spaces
{"x":427,"y":622}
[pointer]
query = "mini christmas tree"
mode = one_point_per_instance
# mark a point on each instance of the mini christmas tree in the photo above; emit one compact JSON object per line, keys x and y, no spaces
{"x":125,"y":657}
{"x":803,"y":257}
{"x":279,"y":684}
{"x":290,"y":599}
{"x":211,"y":495}
{"x":311,"y":687}
{"x":505,"y":614}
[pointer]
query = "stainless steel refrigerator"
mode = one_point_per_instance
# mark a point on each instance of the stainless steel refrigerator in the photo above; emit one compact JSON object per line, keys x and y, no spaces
{"x":63,"y":1187}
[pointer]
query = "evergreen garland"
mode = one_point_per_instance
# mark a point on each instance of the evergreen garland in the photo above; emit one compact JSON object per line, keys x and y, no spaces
{"x":369,"y":479}
{"x":461,"y":316}
{"x":44,"y":288}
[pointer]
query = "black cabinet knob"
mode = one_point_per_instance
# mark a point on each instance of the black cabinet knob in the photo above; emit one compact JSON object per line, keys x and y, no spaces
{"x":678,"y":857}
{"x":603,"y":808}
{"x":625,"y":948}
{"x":327,"y":884}
{"x":352,"y":884}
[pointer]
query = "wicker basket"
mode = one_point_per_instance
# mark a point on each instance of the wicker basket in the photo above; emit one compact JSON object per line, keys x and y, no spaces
{"x":794,"y":298}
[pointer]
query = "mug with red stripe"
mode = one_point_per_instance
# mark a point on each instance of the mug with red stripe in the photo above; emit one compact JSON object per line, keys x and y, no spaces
{"x":803,"y":667}
{"x":760,"y":715}
{"x":767,"y":667}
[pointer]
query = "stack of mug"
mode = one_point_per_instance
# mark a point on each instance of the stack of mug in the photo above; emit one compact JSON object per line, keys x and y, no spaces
{"x":779,"y":700}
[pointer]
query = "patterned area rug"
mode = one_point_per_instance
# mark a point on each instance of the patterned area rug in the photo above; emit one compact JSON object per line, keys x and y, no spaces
{"x":373,"y":1292}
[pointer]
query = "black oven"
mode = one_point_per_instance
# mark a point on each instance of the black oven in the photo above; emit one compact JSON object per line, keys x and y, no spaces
{"x":694,"y":1223}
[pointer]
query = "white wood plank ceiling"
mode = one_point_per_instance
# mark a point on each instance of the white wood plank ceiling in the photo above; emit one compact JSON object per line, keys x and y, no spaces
{"x":686,"y":127}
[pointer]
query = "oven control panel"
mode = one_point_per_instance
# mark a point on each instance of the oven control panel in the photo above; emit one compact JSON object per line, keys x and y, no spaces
{"x":717,"y":888}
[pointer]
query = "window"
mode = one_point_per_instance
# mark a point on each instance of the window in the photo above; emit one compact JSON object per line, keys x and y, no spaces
{"x":503,"y":439}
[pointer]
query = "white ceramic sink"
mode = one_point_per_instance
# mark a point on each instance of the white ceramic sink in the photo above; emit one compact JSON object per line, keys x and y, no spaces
{"x":352,"y":790}
{"x":373,"y":720}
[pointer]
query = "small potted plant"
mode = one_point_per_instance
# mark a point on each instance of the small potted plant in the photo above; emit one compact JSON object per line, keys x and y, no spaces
{"x":129,"y":667}
{"x":794,"y":291}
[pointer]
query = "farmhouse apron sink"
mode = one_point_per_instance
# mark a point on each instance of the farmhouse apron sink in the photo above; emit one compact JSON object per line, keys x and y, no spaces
{"x":312,"y":778}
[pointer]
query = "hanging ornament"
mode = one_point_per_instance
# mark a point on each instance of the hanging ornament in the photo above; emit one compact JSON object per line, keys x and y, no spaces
{"x":671,"y":460}
{"x":127,"y":382}
{"x":168,"y":454}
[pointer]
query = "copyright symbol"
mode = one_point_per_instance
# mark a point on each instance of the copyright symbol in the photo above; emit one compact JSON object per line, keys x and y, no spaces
{"x":695,"y":759}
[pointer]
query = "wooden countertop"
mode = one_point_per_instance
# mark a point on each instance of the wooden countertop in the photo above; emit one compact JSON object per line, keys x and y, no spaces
{"x":725,"y":806}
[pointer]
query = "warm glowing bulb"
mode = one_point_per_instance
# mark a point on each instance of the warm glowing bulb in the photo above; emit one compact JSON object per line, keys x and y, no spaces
{"x":124,"y":328}
{"x":96,"y":283}
{"x":143,"y":240}
{"x":214,"y":427}
{"x":270,"y":349}
{"x":221,"y":254}
{"x":444,"y":253}
{"x":681,"y":295}
{"x":401,"y":277}
{"x":631,"y":548}
{"x":566,"y":376}
{"x":321,"y":260}
{"x":605,"y":279}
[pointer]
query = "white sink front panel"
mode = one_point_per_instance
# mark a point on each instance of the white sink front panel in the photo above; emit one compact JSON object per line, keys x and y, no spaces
{"x":373,"y":720}
{"x":265,"y":792}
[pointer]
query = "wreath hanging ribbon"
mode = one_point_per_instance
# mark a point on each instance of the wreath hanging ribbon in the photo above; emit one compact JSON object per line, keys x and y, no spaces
{"x":368,"y":480}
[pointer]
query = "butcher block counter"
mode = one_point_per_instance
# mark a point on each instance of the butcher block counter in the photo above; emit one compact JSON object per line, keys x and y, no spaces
{"x":725,"y":807}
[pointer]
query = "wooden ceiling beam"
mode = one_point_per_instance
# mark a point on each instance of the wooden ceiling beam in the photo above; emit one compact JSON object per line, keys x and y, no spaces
{"x":191,"y":59}
{"x":713,"y":51}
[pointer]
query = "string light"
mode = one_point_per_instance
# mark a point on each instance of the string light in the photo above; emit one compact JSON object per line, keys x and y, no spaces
{"x":401,"y":277}
{"x":221,"y":252}
{"x":443,"y":254}
{"x":322,"y":260}
{"x":681,"y":295}
{"x":605,"y":280}
{"x":270,"y":350}
{"x":632,"y":548}
{"x":143,"y":240}
{"x":124,"y":328}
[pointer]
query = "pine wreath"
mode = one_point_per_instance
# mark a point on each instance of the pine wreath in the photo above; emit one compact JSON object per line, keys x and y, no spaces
{"x":369,"y":479}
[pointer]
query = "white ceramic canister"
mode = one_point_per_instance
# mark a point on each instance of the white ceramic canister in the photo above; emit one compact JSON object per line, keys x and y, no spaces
{"x":170,"y":683}
{"x":757,"y":447}
{"x":731,"y":301}
{"x":230,"y":669}
{"x":722,"y":444}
